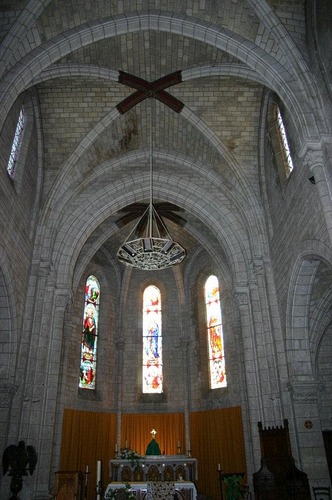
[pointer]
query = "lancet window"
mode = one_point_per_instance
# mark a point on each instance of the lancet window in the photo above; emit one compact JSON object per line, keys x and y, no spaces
{"x":89,"y":334}
{"x":279,"y":141}
{"x":152,"y":341}
{"x":16,"y":145}
{"x":284,"y":146}
{"x":215,"y":334}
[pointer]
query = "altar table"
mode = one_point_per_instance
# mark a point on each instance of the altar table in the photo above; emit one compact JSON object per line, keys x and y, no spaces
{"x":154,"y":468}
{"x":184,"y":490}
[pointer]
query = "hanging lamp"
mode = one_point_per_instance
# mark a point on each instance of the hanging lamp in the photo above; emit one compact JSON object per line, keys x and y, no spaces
{"x":149,"y":246}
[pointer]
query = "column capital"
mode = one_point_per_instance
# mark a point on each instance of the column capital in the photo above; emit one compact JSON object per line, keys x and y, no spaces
{"x":315,"y":145}
{"x":62,"y":296}
{"x":303,"y":391}
{"x":241,"y":296}
{"x":313,"y":158}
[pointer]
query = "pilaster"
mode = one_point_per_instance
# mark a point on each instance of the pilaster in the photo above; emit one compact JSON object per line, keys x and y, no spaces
{"x":312,"y":457}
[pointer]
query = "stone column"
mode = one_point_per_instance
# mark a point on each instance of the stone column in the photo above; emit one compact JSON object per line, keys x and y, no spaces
{"x":46,"y":385}
{"x":314,"y":160}
{"x":7,"y":392}
{"x":185,"y":344}
{"x":312,"y":457}
{"x":267,"y":344}
{"x":251,"y":372}
{"x":120,"y":345}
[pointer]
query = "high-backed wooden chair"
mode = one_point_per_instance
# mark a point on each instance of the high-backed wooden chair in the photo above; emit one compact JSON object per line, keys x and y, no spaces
{"x":278,"y":475}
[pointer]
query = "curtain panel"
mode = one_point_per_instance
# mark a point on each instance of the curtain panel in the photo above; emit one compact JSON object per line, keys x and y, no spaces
{"x":86,"y":438}
{"x":216,"y":436}
{"x":136,"y":430}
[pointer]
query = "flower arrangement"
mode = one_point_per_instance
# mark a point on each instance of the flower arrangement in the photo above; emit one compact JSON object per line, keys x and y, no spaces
{"x":129,"y":494}
{"x":128,"y":454}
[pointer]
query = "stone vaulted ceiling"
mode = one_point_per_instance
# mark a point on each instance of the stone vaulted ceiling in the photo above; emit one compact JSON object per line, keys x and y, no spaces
{"x":96,"y":156}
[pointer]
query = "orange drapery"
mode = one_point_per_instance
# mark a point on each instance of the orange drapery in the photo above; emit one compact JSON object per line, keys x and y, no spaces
{"x":136,"y":428}
{"x":86,"y":438}
{"x":216,"y":436}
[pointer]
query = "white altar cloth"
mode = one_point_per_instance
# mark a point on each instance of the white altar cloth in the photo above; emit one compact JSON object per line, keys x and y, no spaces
{"x":185,"y":489}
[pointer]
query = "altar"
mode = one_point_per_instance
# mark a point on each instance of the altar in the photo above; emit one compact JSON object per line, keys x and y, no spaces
{"x":154,"y":468}
{"x":179,"y":490}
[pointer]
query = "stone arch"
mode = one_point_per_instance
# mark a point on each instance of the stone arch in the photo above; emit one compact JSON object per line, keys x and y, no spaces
{"x":299,"y":337}
{"x":71,"y":170}
{"x":322,"y":367}
{"x":77,"y":223}
{"x":8,"y":323}
{"x":252,"y":55}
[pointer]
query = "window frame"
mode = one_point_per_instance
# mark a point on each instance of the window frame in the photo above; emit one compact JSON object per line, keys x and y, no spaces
{"x":17,"y":142}
{"x":89,"y":336}
{"x":215,"y":352}
{"x":280,"y":142}
{"x":156,"y":376}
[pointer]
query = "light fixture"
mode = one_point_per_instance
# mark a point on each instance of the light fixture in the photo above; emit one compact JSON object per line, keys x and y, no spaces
{"x":149,"y":246}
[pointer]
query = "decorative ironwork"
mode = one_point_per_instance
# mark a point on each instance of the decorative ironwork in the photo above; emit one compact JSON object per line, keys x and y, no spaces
{"x":149,"y":246}
{"x":153,"y":250}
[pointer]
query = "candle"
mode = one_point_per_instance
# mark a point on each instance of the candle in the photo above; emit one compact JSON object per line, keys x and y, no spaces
{"x":98,"y":471}
{"x":179,"y":444}
{"x":126,"y":444}
{"x":219,"y":467}
{"x":86,"y":474}
{"x":116,"y":447}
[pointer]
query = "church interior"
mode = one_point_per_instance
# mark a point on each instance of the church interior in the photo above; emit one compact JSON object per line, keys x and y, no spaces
{"x":166,"y":241}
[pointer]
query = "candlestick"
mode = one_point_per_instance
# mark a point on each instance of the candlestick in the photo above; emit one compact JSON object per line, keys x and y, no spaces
{"x":99,"y":485}
{"x":179,"y":448}
{"x":98,"y":470}
{"x":86,"y":474}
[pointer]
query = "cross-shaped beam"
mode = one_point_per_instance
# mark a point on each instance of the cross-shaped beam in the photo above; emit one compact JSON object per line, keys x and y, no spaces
{"x":146,"y":90}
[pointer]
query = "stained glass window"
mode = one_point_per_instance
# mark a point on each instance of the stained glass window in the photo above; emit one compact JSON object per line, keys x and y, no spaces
{"x":152,"y":341}
{"x":89,"y":334}
{"x":215,"y":334}
{"x":16,"y":145}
